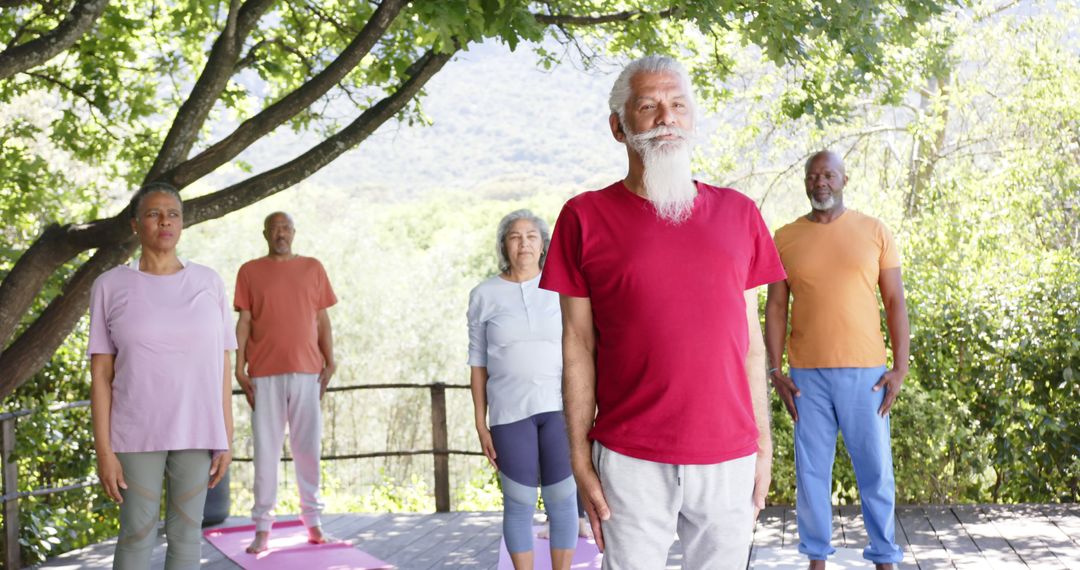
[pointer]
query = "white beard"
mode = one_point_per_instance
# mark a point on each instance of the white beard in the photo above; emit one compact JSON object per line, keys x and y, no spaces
{"x":823,"y":206}
{"x":668,"y":178}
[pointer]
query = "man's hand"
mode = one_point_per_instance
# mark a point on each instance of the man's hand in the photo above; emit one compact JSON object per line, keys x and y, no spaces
{"x":111,"y":474}
{"x":487,"y":445}
{"x":246,"y":385}
{"x":788,"y":391}
{"x":325,"y":376}
{"x":218,"y":466}
{"x":592,"y":497}
{"x":762,"y":479}
{"x":892,"y":381}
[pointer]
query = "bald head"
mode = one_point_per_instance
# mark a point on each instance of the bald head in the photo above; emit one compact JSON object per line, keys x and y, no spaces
{"x":828,"y":157}
{"x":278,"y":229}
{"x":825,"y":180}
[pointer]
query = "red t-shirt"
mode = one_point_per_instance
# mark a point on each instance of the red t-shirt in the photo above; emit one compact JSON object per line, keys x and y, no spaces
{"x":670,"y":318}
{"x":284,"y":298}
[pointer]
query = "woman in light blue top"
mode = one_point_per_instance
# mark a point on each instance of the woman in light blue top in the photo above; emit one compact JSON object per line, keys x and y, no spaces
{"x":515,"y":351}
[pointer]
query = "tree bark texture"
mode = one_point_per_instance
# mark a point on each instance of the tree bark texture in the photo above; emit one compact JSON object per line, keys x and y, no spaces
{"x":39,"y":50}
{"x":33,"y":348}
{"x":112,"y":237}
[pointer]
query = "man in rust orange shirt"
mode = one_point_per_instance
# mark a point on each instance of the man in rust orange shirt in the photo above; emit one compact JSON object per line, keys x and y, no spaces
{"x":284,"y":362}
{"x":836,"y":259}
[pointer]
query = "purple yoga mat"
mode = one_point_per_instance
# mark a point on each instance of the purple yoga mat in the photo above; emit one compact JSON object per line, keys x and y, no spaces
{"x":289,"y":549}
{"x":585,"y":556}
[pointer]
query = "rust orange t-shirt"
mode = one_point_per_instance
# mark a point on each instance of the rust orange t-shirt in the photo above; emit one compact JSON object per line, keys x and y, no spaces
{"x":833,"y":273}
{"x":283,"y":297}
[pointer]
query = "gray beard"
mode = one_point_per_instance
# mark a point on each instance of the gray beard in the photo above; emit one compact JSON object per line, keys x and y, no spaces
{"x":668,"y":179}
{"x":823,"y":206}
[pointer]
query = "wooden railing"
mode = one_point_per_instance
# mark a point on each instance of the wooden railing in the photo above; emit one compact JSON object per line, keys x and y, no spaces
{"x":439,"y":451}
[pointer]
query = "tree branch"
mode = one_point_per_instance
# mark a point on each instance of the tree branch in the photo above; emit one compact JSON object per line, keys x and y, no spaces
{"x":256,"y":188}
{"x":56,"y":246}
{"x":288,"y":106}
{"x":572,"y":20}
{"x":215,"y":76}
{"x":94,"y":111}
{"x":36,"y":345}
{"x":32,"y":349}
{"x":41,"y":49}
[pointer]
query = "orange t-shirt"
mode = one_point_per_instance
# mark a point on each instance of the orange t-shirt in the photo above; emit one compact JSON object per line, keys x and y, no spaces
{"x":283,"y":297}
{"x":833,"y":274}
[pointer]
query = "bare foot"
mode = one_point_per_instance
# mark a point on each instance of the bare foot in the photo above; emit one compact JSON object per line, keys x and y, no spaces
{"x":817,"y":565}
{"x":315,"y":535}
{"x":258,"y":545}
{"x":584,"y":529}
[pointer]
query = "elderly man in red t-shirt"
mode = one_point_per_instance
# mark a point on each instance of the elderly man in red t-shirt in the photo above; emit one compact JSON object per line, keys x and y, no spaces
{"x":663,"y":358}
{"x":284,"y":363}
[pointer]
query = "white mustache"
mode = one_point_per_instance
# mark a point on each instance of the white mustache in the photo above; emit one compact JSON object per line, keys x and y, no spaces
{"x":649,"y":135}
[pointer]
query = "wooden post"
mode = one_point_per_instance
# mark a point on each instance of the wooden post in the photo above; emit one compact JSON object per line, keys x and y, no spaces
{"x":440,"y":443}
{"x":12,"y":554}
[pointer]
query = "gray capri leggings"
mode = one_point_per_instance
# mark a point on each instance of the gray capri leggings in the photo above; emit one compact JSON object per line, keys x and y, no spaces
{"x":186,"y":473}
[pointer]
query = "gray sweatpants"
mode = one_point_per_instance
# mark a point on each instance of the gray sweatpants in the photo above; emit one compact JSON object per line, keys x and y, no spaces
{"x":709,"y":506}
{"x":186,"y":474}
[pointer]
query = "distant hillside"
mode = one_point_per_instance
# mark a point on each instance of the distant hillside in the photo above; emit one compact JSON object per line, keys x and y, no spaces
{"x":501,"y":126}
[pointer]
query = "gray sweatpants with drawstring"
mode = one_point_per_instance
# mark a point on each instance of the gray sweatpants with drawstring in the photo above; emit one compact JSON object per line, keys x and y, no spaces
{"x":709,"y":506}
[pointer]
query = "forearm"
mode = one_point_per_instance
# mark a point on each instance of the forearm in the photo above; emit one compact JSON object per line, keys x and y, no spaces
{"x":899,"y":334}
{"x":478,"y":383}
{"x":776,"y":315}
{"x":101,"y":376}
{"x":775,"y":333}
{"x":326,"y":340}
{"x":756,"y":376}
{"x":579,"y":395}
{"x":892,"y":296}
{"x":243,"y":331}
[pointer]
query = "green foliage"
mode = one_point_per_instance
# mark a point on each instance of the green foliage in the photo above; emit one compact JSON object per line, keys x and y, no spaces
{"x":977,"y":174}
{"x":54,"y":449}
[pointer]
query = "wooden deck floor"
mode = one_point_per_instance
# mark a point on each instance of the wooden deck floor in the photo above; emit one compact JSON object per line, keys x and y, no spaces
{"x":933,"y":537}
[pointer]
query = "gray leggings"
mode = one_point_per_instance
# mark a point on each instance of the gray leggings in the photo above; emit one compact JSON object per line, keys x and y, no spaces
{"x":186,"y":473}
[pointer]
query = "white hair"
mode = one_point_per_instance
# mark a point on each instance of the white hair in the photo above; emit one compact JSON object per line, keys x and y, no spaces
{"x":504,"y":228}
{"x":620,"y":91}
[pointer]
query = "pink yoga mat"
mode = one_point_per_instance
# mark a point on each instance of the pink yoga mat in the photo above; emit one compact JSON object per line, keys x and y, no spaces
{"x":289,"y":549}
{"x":586,"y":555}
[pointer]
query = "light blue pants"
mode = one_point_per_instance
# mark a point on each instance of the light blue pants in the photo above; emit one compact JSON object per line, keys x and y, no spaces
{"x":843,"y":398}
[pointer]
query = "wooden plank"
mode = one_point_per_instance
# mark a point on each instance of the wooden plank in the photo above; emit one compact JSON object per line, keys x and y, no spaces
{"x":769,"y":530}
{"x":1030,"y":534}
{"x":791,"y":528}
{"x":963,"y":551}
{"x":997,"y":551}
{"x":1066,"y":517}
{"x":10,"y":474}
{"x":439,"y":441}
{"x":854,"y":529}
{"x":347,"y":526}
{"x":1068,"y":521}
{"x":443,"y":543}
{"x":837,"y":525}
{"x":394,"y":533}
{"x":923,"y":543}
{"x":478,"y":548}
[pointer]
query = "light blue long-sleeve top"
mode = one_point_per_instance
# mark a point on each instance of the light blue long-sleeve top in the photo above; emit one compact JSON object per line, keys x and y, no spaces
{"x":515,"y":331}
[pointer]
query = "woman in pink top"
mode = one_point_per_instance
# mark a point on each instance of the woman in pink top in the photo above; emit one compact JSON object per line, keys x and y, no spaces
{"x":160,"y":332}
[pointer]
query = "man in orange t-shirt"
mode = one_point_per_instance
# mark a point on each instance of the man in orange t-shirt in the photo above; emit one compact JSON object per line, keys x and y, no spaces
{"x":836,"y":260}
{"x":284,"y":362}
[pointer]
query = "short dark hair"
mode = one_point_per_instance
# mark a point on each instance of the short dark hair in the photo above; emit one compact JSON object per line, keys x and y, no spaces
{"x":152,"y":188}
